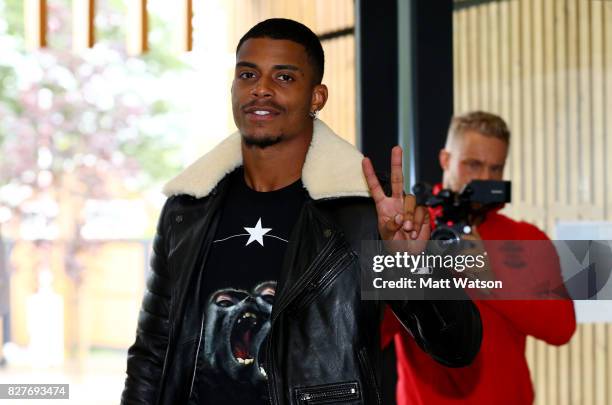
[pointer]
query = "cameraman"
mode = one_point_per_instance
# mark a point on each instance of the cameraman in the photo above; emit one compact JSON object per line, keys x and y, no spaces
{"x":476,"y":149}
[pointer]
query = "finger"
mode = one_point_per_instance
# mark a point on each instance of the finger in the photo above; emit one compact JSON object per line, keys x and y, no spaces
{"x":373,"y":184}
{"x":392,"y":226}
{"x":409,"y":206}
{"x":419,"y":216}
{"x":425,"y":232}
{"x":397,"y":177}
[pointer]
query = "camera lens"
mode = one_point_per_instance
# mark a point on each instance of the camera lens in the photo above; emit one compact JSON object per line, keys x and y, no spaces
{"x":444,"y":233}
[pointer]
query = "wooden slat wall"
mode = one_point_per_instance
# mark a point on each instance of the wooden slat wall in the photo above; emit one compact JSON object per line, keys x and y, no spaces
{"x":35,"y":23}
{"x":186,"y":25}
{"x":83,"y":30}
{"x":322,"y":17}
{"x":546,"y":67}
{"x":137,"y":41}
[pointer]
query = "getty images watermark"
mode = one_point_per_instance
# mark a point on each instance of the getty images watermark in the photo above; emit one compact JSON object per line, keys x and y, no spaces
{"x":424,"y":264}
{"x":502,"y":269}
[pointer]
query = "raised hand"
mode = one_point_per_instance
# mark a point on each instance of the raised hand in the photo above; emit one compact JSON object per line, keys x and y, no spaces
{"x":399,"y":218}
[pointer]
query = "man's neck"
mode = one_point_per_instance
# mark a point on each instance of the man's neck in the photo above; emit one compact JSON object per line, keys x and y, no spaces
{"x":276,"y":166}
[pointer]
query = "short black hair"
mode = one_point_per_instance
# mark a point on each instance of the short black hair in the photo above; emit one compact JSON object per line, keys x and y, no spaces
{"x":283,"y":28}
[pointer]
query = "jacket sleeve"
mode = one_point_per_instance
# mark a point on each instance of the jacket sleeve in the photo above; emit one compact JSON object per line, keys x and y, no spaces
{"x":449,"y":331}
{"x":146,"y":356}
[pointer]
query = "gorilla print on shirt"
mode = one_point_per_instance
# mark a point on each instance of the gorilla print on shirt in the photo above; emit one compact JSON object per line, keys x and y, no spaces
{"x":237,"y":325}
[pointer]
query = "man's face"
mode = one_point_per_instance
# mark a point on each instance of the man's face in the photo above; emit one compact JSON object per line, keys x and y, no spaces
{"x":274,"y":91}
{"x":472,"y":156}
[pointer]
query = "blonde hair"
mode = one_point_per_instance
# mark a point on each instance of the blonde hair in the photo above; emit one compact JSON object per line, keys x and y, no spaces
{"x":482,"y":122}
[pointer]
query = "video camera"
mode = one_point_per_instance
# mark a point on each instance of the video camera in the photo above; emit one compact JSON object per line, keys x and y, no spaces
{"x":460,"y":210}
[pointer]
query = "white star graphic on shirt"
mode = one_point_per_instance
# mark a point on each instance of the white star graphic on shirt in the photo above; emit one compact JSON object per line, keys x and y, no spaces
{"x":256,"y":233}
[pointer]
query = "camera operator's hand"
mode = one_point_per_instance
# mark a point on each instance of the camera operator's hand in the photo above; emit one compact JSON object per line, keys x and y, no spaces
{"x":473,"y":245}
{"x":399,"y":218}
{"x":473,"y":236}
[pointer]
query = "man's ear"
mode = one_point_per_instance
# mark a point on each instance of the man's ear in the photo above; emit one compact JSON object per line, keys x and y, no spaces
{"x":444,"y":158}
{"x":319,"y":97}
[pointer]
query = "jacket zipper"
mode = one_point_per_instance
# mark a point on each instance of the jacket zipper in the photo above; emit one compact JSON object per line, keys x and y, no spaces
{"x":195,"y":365}
{"x":326,"y":395}
{"x":337,"y":392}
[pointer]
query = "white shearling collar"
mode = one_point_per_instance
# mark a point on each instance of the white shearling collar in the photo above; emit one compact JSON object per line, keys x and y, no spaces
{"x":332,"y":167}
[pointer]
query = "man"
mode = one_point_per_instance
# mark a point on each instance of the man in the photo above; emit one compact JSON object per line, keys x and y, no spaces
{"x":476,"y":149}
{"x":254,"y":295}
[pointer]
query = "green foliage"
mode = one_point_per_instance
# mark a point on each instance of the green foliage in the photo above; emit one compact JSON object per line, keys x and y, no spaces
{"x":13,"y":15}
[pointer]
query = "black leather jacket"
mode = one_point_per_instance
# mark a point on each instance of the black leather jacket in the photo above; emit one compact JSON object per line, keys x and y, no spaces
{"x":324,"y":340}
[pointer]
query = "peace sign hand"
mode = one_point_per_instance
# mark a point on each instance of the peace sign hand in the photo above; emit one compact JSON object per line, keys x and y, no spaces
{"x":399,"y":218}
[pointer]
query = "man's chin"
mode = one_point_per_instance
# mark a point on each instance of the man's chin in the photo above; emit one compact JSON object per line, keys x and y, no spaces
{"x":261,"y":141}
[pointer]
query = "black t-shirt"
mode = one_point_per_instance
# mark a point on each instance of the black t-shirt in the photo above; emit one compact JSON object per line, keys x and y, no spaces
{"x":240,"y":278}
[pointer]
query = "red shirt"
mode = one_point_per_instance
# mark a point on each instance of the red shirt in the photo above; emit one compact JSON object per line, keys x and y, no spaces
{"x":499,"y":374}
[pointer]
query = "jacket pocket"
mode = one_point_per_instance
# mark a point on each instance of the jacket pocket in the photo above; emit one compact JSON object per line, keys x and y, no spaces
{"x":328,"y":393}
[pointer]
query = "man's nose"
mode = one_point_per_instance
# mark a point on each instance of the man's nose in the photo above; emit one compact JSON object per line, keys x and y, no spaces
{"x":262,"y":88}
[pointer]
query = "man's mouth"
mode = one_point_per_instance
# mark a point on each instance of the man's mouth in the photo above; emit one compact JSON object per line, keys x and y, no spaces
{"x":261,"y":113}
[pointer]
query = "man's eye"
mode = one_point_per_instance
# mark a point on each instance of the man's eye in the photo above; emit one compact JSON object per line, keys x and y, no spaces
{"x":246,"y":75}
{"x":285,"y":78}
